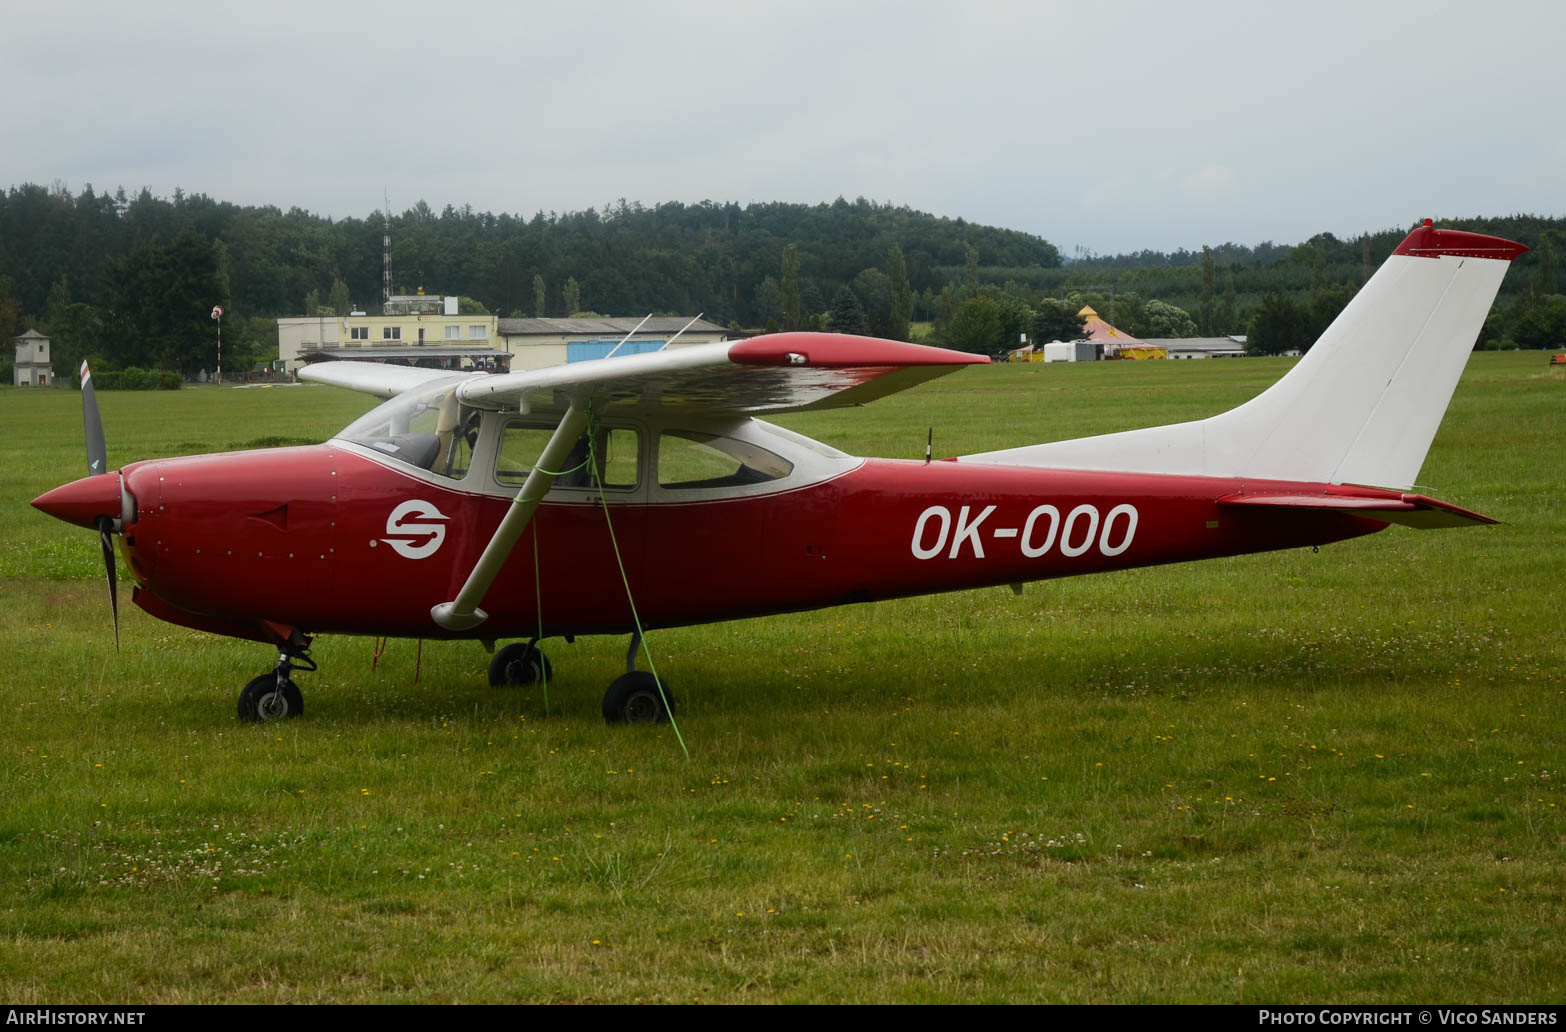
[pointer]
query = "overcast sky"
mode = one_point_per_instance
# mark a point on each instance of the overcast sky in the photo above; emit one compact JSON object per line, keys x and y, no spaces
{"x":1111,"y":126}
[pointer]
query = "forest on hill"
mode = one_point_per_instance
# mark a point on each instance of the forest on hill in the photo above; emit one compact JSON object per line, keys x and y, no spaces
{"x":133,"y":279}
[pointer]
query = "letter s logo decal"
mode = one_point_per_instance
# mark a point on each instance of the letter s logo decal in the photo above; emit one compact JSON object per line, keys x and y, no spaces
{"x":418,"y":510}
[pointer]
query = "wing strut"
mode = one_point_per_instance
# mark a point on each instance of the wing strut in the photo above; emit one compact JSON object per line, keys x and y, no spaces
{"x":462,"y":613}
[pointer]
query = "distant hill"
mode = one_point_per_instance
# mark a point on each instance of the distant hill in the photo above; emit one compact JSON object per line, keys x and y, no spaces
{"x":710,"y":257}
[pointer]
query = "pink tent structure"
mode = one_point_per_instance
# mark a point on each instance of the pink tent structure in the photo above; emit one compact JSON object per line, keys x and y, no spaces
{"x":1101,"y":331}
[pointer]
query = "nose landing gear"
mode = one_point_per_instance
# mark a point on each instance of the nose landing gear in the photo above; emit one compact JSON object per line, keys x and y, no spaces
{"x":274,"y":696}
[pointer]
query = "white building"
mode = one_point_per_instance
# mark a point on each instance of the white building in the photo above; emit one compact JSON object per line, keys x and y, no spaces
{"x":1203,"y":347}
{"x":32,"y":367}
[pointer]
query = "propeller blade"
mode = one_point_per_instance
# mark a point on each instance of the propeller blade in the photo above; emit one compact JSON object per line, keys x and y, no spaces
{"x":105,"y":528}
{"x":92,"y":426}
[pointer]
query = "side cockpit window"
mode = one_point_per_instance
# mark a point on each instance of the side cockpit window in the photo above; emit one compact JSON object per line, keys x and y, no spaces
{"x":693,"y":460}
{"x":616,"y":451}
{"x":427,"y":429}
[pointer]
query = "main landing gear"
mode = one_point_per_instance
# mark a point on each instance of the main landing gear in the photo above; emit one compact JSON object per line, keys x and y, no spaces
{"x":519,"y":665}
{"x":637,"y":697}
{"x":634,"y":698}
{"x":274,"y":696}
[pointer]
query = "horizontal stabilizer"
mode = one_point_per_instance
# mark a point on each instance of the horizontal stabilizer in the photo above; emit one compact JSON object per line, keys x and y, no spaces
{"x":1410,"y":510}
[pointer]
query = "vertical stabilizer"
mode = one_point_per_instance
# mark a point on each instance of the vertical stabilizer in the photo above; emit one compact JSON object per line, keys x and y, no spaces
{"x":1364,"y":403}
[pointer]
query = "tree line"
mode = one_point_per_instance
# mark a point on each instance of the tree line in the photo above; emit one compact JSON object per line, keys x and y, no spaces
{"x":133,"y":279}
{"x":110,"y":252}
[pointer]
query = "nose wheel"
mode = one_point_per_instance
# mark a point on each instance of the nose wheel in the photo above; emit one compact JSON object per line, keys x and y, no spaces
{"x":265,"y":699}
{"x":274,"y":696}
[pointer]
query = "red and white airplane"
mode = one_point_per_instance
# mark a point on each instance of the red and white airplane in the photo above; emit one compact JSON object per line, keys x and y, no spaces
{"x":510,"y":506}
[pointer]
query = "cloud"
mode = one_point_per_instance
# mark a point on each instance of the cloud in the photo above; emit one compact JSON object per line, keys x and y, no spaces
{"x":1208,"y":180}
{"x":1120,"y":125}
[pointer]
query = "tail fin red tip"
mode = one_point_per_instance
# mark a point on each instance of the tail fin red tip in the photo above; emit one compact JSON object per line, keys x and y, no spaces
{"x":1429,"y":242}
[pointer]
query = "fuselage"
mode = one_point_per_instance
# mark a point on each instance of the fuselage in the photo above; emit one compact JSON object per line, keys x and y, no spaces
{"x":344,"y":537}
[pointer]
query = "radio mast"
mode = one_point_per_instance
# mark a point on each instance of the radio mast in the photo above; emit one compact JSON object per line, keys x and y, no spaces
{"x":386,"y":282}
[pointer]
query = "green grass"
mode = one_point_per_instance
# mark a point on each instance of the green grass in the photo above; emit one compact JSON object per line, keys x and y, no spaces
{"x":1291,"y":777}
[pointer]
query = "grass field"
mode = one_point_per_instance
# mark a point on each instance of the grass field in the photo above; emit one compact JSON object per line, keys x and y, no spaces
{"x":1290,"y":777}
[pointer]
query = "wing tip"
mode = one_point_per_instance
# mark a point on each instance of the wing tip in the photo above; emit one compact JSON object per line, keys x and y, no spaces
{"x":843,"y":350}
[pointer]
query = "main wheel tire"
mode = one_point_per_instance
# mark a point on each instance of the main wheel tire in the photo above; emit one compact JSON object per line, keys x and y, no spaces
{"x":519,"y":665}
{"x":634,"y":698}
{"x":261,"y":702}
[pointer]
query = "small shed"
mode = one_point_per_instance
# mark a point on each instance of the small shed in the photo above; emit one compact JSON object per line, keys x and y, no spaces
{"x":1073,"y":351}
{"x":32,"y":367}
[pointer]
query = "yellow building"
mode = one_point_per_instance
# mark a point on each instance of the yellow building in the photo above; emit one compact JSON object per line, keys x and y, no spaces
{"x":442,"y":338}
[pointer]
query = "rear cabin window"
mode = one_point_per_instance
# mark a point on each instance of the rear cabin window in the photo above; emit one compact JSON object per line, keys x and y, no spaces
{"x":616,"y":451}
{"x":691,"y":460}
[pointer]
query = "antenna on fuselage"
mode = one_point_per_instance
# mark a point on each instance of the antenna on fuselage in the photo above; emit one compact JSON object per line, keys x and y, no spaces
{"x":929,"y":442}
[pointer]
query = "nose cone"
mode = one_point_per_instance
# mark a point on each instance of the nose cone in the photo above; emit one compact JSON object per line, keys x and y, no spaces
{"x":83,"y":501}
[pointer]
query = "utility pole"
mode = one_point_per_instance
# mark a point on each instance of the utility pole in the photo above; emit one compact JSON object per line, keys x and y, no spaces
{"x":217,"y":317}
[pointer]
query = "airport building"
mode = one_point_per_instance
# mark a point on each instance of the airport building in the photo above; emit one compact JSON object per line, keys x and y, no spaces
{"x":419,"y":330}
{"x":432,"y":334}
{"x":536,"y":343}
{"x":1201,"y":347}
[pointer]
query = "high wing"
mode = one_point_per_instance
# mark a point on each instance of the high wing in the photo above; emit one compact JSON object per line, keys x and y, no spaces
{"x":780,"y":372}
{"x":383,"y":381}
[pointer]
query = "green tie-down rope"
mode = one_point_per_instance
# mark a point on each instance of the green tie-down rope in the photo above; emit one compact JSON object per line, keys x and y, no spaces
{"x":641,"y":635}
{"x":538,"y":586}
{"x":538,"y":597}
{"x":538,"y":583}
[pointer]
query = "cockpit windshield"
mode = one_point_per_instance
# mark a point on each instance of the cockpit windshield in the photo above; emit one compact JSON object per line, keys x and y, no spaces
{"x":427,"y":427}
